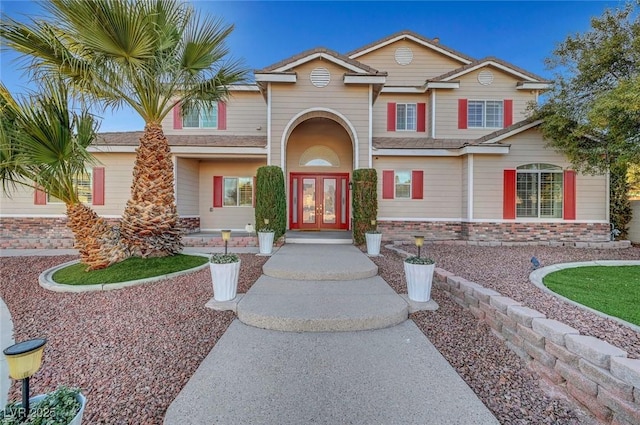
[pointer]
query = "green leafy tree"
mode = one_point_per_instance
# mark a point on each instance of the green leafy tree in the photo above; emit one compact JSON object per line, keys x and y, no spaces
{"x":43,"y":146}
{"x":270,"y":200}
{"x":365,"y":202}
{"x":148,"y":55}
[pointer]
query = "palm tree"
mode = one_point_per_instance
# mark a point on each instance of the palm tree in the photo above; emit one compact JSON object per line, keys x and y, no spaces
{"x":43,"y":145}
{"x":149,"y":55}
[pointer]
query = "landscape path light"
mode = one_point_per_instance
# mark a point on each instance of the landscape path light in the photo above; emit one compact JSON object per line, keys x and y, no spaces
{"x":23,"y":360}
{"x":419,"y":240}
{"x":226,"y":236}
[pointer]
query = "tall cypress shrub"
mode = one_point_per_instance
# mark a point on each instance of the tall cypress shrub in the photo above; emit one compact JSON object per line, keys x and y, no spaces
{"x":270,"y":199}
{"x":364,"y":202}
{"x":620,"y":206}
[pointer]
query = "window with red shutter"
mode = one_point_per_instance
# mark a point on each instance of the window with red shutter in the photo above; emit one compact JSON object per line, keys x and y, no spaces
{"x":391,"y":116}
{"x":462,"y":114}
{"x":509,"y":195}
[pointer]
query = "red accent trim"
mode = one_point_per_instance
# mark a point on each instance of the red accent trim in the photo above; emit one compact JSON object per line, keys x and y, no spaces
{"x":391,"y":116}
{"x":177,"y":117}
{"x":569,"y":201}
{"x":40,"y":197}
{"x":417,"y":183}
{"x":388,"y":185}
{"x":318,"y":223}
{"x":422,"y":117}
{"x":253,"y":192}
{"x":222,"y":116}
{"x":462,"y":114}
{"x":98,"y":186}
{"x":508,"y":112}
{"x":217,"y":191}
{"x":509,"y":195}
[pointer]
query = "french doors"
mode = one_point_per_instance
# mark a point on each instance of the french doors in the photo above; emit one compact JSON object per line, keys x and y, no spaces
{"x":319,"y":201}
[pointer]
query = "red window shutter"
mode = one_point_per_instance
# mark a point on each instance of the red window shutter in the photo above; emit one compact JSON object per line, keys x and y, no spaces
{"x":462,"y":114}
{"x":569,"y":200}
{"x":217,"y":191}
{"x":222,"y":116}
{"x":509,"y":195}
{"x":388,"y":185}
{"x":422,"y":117}
{"x":98,"y":186}
{"x":177,"y":117}
{"x":391,"y":116}
{"x":40,"y":197}
{"x":417,"y":191}
{"x":253,"y":192}
{"x":508,"y":112}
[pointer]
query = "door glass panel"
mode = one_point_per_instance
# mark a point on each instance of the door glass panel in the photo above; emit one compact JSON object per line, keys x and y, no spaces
{"x":295,"y":201}
{"x":329,"y":211}
{"x":343,"y":206}
{"x":309,"y":201}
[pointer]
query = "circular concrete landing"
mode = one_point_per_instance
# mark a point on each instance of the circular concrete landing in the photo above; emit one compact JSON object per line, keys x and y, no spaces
{"x":322,"y":306}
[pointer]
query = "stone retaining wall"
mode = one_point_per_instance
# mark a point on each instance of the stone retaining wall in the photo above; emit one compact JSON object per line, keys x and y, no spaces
{"x":594,"y":373}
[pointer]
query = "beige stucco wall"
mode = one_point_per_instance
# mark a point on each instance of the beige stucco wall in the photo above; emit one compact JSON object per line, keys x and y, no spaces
{"x":187,"y":175}
{"x":291,"y":99}
{"x":235,"y":218}
{"x":118,"y":177}
{"x":634,"y":226}
{"x":527,"y":147}
{"x":426,"y":63}
{"x":442,"y":188}
{"x":503,"y":87}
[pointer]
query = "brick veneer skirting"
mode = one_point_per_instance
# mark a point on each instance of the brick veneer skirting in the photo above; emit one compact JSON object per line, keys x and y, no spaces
{"x":592,"y":372}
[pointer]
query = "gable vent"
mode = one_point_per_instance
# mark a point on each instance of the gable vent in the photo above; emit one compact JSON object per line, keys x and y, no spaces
{"x":404,"y":55}
{"x":320,"y":77}
{"x":485,"y":77}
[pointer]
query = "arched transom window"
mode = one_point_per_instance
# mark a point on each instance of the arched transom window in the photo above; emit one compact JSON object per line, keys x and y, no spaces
{"x":539,"y":191}
{"x":319,"y":156}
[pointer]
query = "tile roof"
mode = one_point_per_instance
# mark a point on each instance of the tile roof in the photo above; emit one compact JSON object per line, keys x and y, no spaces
{"x":292,"y":59}
{"x":419,"y":143}
{"x":474,"y":64}
{"x":434,"y":42}
{"x":513,"y":127}
{"x":132,"y":139}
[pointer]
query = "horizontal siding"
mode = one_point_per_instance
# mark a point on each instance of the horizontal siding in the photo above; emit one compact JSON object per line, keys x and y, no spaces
{"x":380,"y":114}
{"x":464,"y":176}
{"x":187,"y":177}
{"x":426,"y":64}
{"x":224,"y":217}
{"x":526,"y":148}
{"x":442,"y":188}
{"x":634,"y":225}
{"x":503,"y":87}
{"x":291,"y":99}
{"x":246,"y":116}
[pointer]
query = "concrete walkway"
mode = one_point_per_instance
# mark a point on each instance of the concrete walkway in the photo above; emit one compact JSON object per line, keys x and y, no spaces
{"x":370,"y":372}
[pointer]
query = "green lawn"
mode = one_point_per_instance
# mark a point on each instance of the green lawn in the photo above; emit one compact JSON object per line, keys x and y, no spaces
{"x":129,"y":269}
{"x":614,"y":290}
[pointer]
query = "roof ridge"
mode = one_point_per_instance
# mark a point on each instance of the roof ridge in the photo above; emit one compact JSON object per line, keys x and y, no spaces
{"x":313,"y":51}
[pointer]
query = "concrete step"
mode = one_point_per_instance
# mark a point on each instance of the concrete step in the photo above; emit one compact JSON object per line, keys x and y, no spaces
{"x":321,"y":306}
{"x":319,"y":238}
{"x":319,"y":262}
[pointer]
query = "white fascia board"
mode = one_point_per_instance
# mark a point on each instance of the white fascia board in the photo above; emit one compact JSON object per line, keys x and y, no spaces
{"x":417,"y":40}
{"x":411,"y":90}
{"x":491,"y":150}
{"x":532,"y":85}
{"x":512,"y":133}
{"x":192,"y":150}
{"x":276,"y":78}
{"x":443,"y":85}
{"x":321,"y":55}
{"x":494,"y":64}
{"x":111,"y":149}
{"x":364,"y":79}
{"x":243,"y":87}
{"x":478,"y":149}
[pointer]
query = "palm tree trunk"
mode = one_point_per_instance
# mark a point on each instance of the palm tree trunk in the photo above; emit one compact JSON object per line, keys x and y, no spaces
{"x":99,"y":244}
{"x":149,"y":226}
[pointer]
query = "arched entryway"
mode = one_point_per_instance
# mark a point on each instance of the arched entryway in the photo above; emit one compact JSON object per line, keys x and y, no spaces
{"x":319,"y":161}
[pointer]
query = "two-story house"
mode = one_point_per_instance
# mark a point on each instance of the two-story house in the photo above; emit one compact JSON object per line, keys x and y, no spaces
{"x":448,"y":134}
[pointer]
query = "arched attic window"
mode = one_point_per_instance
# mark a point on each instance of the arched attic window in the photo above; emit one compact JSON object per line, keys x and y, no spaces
{"x":319,"y":156}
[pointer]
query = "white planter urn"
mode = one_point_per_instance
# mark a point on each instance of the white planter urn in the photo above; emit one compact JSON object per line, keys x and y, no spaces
{"x":225,"y":280}
{"x":77,"y":419}
{"x":265,"y":241}
{"x":419,"y":280}
{"x":373,"y":243}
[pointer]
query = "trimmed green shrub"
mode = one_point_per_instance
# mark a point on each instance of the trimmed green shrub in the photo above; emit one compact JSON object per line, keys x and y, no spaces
{"x":270,"y":200}
{"x":620,"y":206}
{"x":364,"y":202}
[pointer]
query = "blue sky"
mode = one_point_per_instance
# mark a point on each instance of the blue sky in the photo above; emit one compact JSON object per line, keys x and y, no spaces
{"x":521,"y":32}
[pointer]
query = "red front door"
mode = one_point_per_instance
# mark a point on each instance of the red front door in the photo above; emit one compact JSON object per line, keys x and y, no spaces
{"x":319,"y":201}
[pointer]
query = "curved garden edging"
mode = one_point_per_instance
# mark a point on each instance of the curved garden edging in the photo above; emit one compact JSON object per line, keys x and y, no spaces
{"x":46,"y":279}
{"x":536,"y":277}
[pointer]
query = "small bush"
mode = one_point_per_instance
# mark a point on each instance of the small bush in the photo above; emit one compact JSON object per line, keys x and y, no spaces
{"x":271,"y":199}
{"x":364,"y":202}
{"x":419,"y":260}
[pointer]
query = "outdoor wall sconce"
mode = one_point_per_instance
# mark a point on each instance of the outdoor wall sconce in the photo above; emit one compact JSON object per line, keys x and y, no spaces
{"x":419,"y":240}
{"x":24,"y":359}
{"x":226,"y":236}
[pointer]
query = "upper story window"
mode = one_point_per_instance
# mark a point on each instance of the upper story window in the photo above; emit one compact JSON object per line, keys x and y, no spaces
{"x":238,"y":191}
{"x":485,"y":114}
{"x":406,"y":116}
{"x":539,"y":191}
{"x":83,"y":183}
{"x":201,"y":118}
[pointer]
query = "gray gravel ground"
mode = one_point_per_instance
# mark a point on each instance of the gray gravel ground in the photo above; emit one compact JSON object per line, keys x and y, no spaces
{"x":132,"y":350}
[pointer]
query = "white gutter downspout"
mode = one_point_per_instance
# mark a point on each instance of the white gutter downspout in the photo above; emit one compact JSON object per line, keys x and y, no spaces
{"x":608,"y":211}
{"x":370,"y":126}
{"x":174,"y":160}
{"x":470,"y":188}
{"x":268,"y":123}
{"x":433,"y":114}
